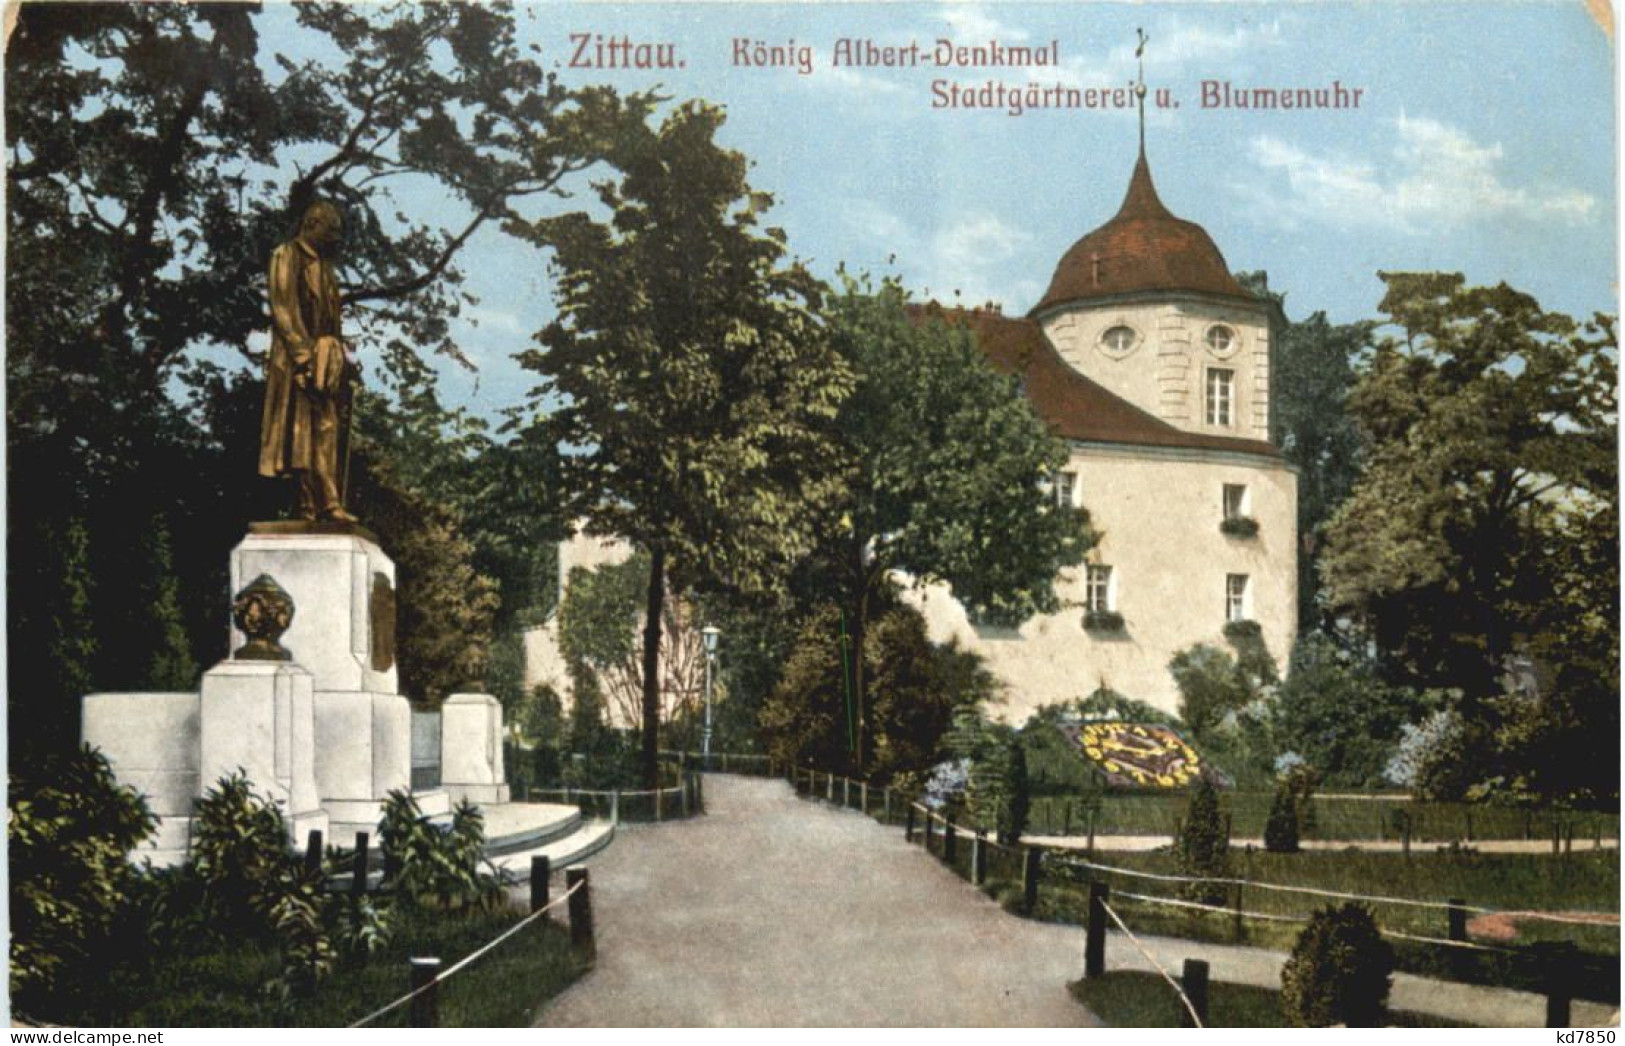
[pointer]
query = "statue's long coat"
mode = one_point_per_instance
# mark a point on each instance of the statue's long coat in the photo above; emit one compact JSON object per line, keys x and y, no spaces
{"x":304,"y":307}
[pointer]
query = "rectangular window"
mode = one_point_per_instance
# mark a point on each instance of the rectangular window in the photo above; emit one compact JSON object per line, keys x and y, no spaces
{"x":1220,"y":395}
{"x":1066,"y":489}
{"x":1235,"y":501}
{"x":1235,"y":597}
{"x":1098,"y":597}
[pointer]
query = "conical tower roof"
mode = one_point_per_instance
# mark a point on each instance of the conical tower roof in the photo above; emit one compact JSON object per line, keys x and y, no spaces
{"x":1143,"y":248}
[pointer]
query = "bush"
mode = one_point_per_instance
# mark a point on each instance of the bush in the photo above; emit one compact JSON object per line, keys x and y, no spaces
{"x":71,"y":831}
{"x":427,"y":867}
{"x":1338,"y":972}
{"x":1202,"y":846}
{"x":1281,"y":830}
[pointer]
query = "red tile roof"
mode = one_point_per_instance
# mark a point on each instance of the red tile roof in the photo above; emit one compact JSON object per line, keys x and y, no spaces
{"x":1075,"y":406}
{"x":1143,"y":248}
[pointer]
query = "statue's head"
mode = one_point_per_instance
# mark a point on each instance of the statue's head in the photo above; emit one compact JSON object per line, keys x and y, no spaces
{"x":322,"y":226}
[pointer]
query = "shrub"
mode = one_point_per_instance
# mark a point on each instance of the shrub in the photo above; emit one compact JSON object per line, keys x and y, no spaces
{"x":240,"y":856}
{"x":1281,"y":830}
{"x":1338,"y":972}
{"x":1201,"y":846}
{"x":428,"y":867}
{"x":1239,"y":526}
{"x":1106,"y":621}
{"x":71,"y":830}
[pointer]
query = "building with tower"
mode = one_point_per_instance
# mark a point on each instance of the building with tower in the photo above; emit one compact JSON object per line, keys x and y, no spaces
{"x":1153,"y":363}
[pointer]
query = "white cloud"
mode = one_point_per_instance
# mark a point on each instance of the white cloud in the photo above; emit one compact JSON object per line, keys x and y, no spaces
{"x":1434,"y":177}
{"x":970,"y":24}
{"x":979,"y":258}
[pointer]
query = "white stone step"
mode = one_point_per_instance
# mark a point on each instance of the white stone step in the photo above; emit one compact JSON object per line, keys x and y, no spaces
{"x":574,"y":848}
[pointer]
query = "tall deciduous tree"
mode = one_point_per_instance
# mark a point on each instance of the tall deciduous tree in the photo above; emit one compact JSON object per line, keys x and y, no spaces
{"x":698,"y":390}
{"x":1492,"y":478}
{"x":947,"y":467}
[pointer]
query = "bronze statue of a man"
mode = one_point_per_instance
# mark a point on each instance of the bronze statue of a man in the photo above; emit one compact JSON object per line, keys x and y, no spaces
{"x":307,"y":372}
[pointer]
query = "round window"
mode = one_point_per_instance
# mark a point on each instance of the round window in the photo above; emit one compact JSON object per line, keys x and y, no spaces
{"x":1221,"y":339}
{"x":1119,"y":341}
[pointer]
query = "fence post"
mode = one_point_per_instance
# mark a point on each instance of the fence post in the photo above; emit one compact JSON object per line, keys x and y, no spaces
{"x":928,"y":818}
{"x":886,"y":796}
{"x":660,"y":804}
{"x":1066,"y":817}
{"x":908,"y":825}
{"x":313,"y":853}
{"x":1557,"y":837}
{"x":1194,"y":980}
{"x":1559,"y":986}
{"x":863,"y":795}
{"x":1458,"y":919}
{"x":358,"y":868}
{"x":699,"y":793}
{"x":829,"y":788}
{"x":682,"y":797}
{"x":846,"y":791}
{"x":615,"y":807}
{"x":1468,"y":813}
{"x":950,"y":843}
{"x":1094,"y":944}
{"x":425,"y":974}
{"x":978,"y":858}
{"x":1237,"y":929}
{"x":724,"y":762}
{"x":1091,"y":850}
{"x":1029,"y":880}
{"x":581,"y":933}
{"x":541,"y":869}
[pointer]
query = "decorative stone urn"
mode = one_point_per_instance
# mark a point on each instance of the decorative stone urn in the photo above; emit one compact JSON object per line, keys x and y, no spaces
{"x":262,"y":611}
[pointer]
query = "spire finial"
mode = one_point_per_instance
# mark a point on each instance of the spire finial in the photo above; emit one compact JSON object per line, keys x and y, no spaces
{"x":1139,"y":87}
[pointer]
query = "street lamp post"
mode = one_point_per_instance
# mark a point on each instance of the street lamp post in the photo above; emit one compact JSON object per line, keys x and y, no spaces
{"x":710,"y":634}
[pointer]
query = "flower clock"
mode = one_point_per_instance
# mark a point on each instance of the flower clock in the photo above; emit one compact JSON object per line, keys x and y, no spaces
{"x":1138,"y":755}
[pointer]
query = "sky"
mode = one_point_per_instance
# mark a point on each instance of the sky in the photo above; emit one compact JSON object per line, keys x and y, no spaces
{"x":1484,"y":143}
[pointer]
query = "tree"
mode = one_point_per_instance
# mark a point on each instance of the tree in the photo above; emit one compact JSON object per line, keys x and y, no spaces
{"x":1281,"y":828}
{"x":1338,"y":972}
{"x":1202,"y":845}
{"x":948,"y":475}
{"x":1492,"y":473}
{"x":698,"y":391}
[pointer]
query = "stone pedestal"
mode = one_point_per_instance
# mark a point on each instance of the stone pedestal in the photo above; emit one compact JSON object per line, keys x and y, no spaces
{"x":153,"y":743}
{"x":343,"y":634}
{"x":258,"y":718}
{"x":471,"y":749}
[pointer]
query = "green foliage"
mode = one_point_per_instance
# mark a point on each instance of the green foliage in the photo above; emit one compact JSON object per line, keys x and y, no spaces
{"x":1491,"y":477}
{"x":697,"y":385}
{"x":1211,"y":684}
{"x":1336,"y":712}
{"x":1338,"y":972}
{"x":69,"y":835}
{"x":172,"y":666}
{"x":998,"y":794}
{"x":431,"y":868}
{"x":1281,"y":830}
{"x":917,"y":688}
{"x":1202,"y":844}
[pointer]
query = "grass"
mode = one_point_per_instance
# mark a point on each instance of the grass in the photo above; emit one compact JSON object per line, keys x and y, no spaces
{"x":1137,"y":999}
{"x":1336,"y":819}
{"x":224,"y":986}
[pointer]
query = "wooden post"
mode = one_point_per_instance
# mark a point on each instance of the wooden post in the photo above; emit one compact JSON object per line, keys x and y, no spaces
{"x":358,"y":874}
{"x":1194,"y":980}
{"x":863,"y":795}
{"x":829,"y":788}
{"x":978,"y":859}
{"x":581,"y":933}
{"x":1457,"y":915}
{"x":425,"y":1008}
{"x":1237,"y":929}
{"x":1559,"y":986}
{"x":541,"y":870}
{"x":313,"y":853}
{"x":950,"y":843}
{"x":1568,"y":837}
{"x":928,"y":819}
{"x":682,"y":796}
{"x":615,"y":807}
{"x":1029,"y":880}
{"x":1557,"y":837}
{"x":1468,"y":813}
{"x":886,"y":797}
{"x":1066,"y":818}
{"x":846,"y":791}
{"x":1596,"y":824}
{"x":659,"y":802}
{"x":1091,"y":850}
{"x":1094,"y":943}
{"x":908,"y":825}
{"x":1406,"y":841}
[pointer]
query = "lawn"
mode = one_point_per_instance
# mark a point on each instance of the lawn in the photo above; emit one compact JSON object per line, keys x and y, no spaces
{"x":223,"y":986}
{"x":1137,"y":999}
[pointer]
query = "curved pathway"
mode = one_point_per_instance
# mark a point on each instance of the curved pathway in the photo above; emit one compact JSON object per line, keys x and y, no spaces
{"x":775,"y":911}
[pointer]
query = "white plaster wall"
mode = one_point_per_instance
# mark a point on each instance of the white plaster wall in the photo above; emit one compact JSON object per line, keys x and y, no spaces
{"x":1160,"y":514}
{"x":1165,"y":373}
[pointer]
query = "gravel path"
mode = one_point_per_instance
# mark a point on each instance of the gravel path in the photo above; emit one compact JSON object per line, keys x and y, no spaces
{"x":774,"y":911}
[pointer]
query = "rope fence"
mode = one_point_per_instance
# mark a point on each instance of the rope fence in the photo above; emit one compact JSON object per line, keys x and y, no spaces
{"x":1155,"y":965}
{"x":471,"y":958}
